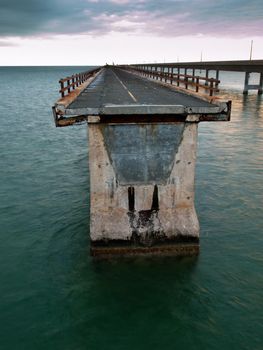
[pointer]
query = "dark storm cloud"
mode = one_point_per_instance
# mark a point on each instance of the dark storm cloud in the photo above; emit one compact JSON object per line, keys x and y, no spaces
{"x":161,"y":17}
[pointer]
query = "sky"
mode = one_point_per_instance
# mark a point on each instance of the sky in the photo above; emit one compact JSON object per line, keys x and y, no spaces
{"x":95,"y":32}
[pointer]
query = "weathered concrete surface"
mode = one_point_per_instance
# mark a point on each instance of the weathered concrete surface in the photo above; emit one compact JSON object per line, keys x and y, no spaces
{"x":142,"y":189}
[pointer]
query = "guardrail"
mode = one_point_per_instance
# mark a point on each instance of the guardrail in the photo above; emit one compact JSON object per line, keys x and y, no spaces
{"x":70,"y":83}
{"x":181,"y":80}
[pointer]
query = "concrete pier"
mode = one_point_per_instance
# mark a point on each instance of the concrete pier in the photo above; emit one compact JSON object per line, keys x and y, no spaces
{"x":142,"y":155}
{"x":258,"y":87}
{"x":142,"y":188}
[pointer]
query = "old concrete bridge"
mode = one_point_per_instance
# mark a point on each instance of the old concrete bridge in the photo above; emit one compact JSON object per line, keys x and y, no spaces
{"x":142,"y":131}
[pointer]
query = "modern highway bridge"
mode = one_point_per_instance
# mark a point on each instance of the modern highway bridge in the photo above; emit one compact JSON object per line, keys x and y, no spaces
{"x":142,"y":127}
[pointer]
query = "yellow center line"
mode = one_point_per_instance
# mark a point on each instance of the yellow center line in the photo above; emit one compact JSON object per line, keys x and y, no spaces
{"x":125,"y":87}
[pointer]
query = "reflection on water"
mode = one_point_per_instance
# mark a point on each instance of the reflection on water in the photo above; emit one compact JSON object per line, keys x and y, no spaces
{"x":54,"y":296}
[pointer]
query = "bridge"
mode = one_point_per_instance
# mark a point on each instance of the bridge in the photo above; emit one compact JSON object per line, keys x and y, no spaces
{"x":247,"y":66}
{"x":142,"y":134}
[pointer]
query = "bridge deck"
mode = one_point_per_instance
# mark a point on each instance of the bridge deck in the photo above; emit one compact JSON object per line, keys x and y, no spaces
{"x":117,"y":87}
{"x":117,"y":92}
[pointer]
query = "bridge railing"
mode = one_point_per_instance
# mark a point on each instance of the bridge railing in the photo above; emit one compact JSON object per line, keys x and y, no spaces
{"x":70,"y":83}
{"x":182,"y":80}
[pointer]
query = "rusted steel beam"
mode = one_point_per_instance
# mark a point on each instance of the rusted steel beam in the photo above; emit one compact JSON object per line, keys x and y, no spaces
{"x":139,"y":119}
{"x":155,"y":114}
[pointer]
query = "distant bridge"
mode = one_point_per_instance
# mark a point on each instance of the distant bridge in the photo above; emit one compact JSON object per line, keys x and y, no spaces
{"x":247,"y":66}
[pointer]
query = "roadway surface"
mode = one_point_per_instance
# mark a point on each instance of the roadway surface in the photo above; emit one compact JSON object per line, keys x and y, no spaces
{"x":118,"y":87}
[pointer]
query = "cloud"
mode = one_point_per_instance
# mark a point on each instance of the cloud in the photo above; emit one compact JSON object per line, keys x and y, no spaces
{"x":172,"y":18}
{"x":5,"y":43}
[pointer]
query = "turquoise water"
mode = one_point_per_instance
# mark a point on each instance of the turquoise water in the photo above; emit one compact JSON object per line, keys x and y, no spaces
{"x":54,"y":296}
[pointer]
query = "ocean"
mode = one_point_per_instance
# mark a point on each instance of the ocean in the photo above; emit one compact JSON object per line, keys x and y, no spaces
{"x":55,"y":296}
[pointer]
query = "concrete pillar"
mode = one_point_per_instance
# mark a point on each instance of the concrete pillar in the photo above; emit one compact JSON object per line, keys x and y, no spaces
{"x":245,"y":91}
{"x":260,"y":89}
{"x":142,"y":189}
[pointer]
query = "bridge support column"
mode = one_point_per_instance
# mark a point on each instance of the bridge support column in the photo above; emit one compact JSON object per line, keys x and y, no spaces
{"x":260,"y":89}
{"x":142,"y":189}
{"x":245,"y":91}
